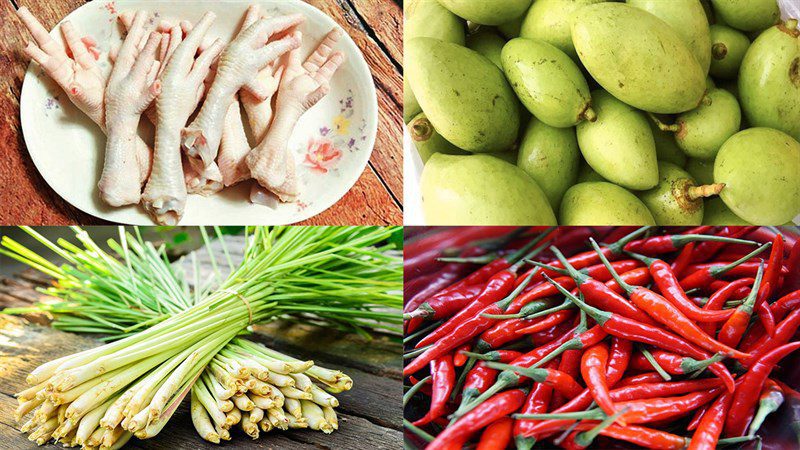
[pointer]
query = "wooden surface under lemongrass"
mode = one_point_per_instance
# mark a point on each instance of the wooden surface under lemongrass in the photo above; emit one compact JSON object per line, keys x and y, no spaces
{"x":346,"y":346}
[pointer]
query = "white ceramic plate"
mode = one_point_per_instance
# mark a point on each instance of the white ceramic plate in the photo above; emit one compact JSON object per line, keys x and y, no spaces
{"x":67,"y":148}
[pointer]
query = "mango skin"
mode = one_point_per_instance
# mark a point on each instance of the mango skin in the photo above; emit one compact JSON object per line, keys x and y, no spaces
{"x":716,"y":213}
{"x":666,"y":147}
{"x":701,"y":171}
{"x":667,"y":201}
{"x":487,"y":12}
{"x":489,"y":44}
{"x":586,"y":174}
{"x":747,"y":15}
{"x":548,"y":20}
{"x":551,"y":157}
{"x":511,"y":29}
{"x":638,"y":58}
{"x":702,"y":131}
{"x":760,"y":168}
{"x":428,"y":141}
{"x":769,"y":80}
{"x":481,"y":190}
{"x":688,"y":19}
{"x":619,"y":144}
{"x":547,"y":81}
{"x":728,"y":47}
{"x":601,"y":203}
{"x":427,"y":18}
{"x":464,"y":95}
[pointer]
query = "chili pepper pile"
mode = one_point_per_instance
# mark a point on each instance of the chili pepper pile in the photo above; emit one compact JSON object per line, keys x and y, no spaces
{"x":593,"y":337}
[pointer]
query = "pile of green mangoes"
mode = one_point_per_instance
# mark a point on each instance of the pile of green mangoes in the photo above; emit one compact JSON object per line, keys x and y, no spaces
{"x":593,"y":112}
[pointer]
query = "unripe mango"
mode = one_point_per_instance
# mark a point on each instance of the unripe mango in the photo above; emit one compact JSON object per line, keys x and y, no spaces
{"x":548,"y":20}
{"x":666,"y":147}
{"x":688,"y":19}
{"x":677,"y":199}
{"x":487,"y":12}
{"x":702,"y":131}
{"x":747,"y":15}
{"x":638,"y":58}
{"x":769,"y":79}
{"x":700,"y":170}
{"x":427,"y":18}
{"x":464,"y":95}
{"x":760,"y":167}
{"x":619,"y":144}
{"x":728,"y":47}
{"x":428,"y":141}
{"x":601,"y":203}
{"x":481,"y":190}
{"x":489,"y":44}
{"x":716,"y":213}
{"x":547,"y":82}
{"x":551,"y":157}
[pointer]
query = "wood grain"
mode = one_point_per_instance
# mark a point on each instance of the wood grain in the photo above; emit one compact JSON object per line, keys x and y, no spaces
{"x":370,"y":415}
{"x":375,"y":199}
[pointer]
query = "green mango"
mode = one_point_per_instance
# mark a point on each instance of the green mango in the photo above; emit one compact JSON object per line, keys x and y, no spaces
{"x":509,"y":156}
{"x":428,"y":141}
{"x":677,"y":199}
{"x":638,"y":58}
{"x":710,"y":83}
{"x":601,"y":203}
{"x":487,"y":12}
{"x":747,"y":15}
{"x":728,"y":47}
{"x":464,"y":95}
{"x":702,"y":171}
{"x":511,"y":29}
{"x":548,"y":20}
{"x":760,"y":168}
{"x":586,"y":174}
{"x":688,"y":19}
{"x":619,"y":144}
{"x":427,"y":18}
{"x":551,"y":157}
{"x":487,"y":43}
{"x":481,"y":190}
{"x":666,"y":147}
{"x":547,"y":82}
{"x":717,"y":213}
{"x":702,"y":131}
{"x":769,"y":80}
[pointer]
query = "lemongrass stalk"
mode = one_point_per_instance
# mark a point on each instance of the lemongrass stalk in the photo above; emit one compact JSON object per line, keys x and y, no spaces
{"x":25,"y":407}
{"x":157,"y":425}
{"x":233,"y":417}
{"x":201,"y":395}
{"x":260,"y":401}
{"x":330,"y":416}
{"x":30,"y":393}
{"x":214,"y":386}
{"x":64,"y":428}
{"x":278,"y":418}
{"x":145,"y":389}
{"x":278,"y":397}
{"x":315,"y":417}
{"x":225,"y":405}
{"x":295,"y":423}
{"x":261,"y":388}
{"x":302,"y":382}
{"x":201,"y":420}
{"x":222,"y":376}
{"x":281,"y":381}
{"x":243,"y":402}
{"x":27,"y":426}
{"x":264,"y":364}
{"x":91,"y":421}
{"x":327,"y":376}
{"x":250,"y":428}
{"x":47,"y":410}
{"x":61,"y":398}
{"x":96,"y":439}
{"x":256,"y":414}
{"x":68,"y":440}
{"x":119,"y":443}
{"x":42,"y":434}
{"x":110,"y":437}
{"x":172,"y":383}
{"x":223,"y":433}
{"x":322,"y":398}
{"x":293,"y":407}
{"x":266,"y":425}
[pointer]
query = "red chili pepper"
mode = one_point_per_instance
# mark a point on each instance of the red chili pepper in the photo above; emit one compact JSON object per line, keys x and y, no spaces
{"x":772,"y":277}
{"x":746,"y":269}
{"x":783,"y":334}
{"x":711,"y":424}
{"x":767,"y":234}
{"x":638,"y":277}
{"x":792,"y":266}
{"x":620,"y":326}
{"x":670,"y":243}
{"x":703,"y":277}
{"x":672,"y":363}
{"x":536,"y":403}
{"x":683,"y":259}
{"x":559,"y":380}
{"x":550,"y":321}
{"x":593,"y":370}
{"x":649,"y":438}
{"x":451,"y":237}
{"x":642,"y":391}
{"x":670,"y":288}
{"x":417,"y":290}
{"x":770,"y":399}
{"x":718,"y":299}
{"x":444,"y":377}
{"x":504,"y":331}
{"x":618,"y":360}
{"x":492,"y":409}
{"x":746,"y":395}
{"x":446,"y":304}
{"x":497,"y":436}
{"x":697,"y":417}
{"x":733,"y":330}
{"x":740,"y":293}
{"x":785,"y":304}
{"x":570,"y":364}
{"x":705,"y":250}
{"x":459,"y":359}
{"x":642,"y":378}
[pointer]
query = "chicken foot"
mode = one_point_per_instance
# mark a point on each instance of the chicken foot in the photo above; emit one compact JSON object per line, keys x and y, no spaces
{"x":303,"y":85}
{"x":165,"y":193}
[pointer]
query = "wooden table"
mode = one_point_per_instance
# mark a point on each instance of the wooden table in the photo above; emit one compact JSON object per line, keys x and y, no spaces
{"x":376,"y":199}
{"x":370,"y":415}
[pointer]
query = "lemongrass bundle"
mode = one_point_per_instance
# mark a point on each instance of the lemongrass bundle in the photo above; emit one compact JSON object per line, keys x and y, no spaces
{"x":135,"y":384}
